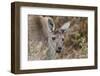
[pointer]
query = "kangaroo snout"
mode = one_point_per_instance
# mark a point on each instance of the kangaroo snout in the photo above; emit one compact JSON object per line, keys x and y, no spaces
{"x":59,"y":50}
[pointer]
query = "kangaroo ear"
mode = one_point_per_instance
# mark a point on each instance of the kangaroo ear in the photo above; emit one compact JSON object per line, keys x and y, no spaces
{"x":51,"y":25}
{"x":65,"y":27}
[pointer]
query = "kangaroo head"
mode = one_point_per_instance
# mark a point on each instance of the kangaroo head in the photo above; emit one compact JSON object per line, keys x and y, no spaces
{"x":55,"y":36}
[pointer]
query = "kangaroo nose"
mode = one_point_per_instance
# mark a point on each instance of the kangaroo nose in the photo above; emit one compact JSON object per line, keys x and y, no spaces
{"x":59,"y":48}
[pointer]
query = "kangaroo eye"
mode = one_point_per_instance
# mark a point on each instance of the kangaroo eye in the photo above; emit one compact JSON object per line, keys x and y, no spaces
{"x":62,"y":39}
{"x":53,"y":38}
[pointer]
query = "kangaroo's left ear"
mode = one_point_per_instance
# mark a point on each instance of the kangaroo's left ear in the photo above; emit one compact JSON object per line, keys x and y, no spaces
{"x":65,"y":27}
{"x":51,"y":25}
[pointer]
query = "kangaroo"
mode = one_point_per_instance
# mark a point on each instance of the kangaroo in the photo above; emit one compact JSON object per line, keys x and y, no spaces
{"x":55,"y":37}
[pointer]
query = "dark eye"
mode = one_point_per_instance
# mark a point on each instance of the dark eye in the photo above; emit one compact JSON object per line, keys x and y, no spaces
{"x":62,"y":39}
{"x":53,"y":38}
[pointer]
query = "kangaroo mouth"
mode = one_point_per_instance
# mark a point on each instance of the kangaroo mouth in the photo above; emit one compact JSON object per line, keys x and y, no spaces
{"x":58,"y":51}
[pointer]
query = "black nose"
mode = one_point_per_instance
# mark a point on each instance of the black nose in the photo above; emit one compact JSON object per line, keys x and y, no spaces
{"x":59,"y":48}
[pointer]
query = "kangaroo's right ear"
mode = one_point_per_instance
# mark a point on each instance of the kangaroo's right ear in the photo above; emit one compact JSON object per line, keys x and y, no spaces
{"x":51,"y":25}
{"x":65,"y":27}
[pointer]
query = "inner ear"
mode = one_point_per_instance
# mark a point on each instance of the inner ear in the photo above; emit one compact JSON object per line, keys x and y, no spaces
{"x":51,"y":24}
